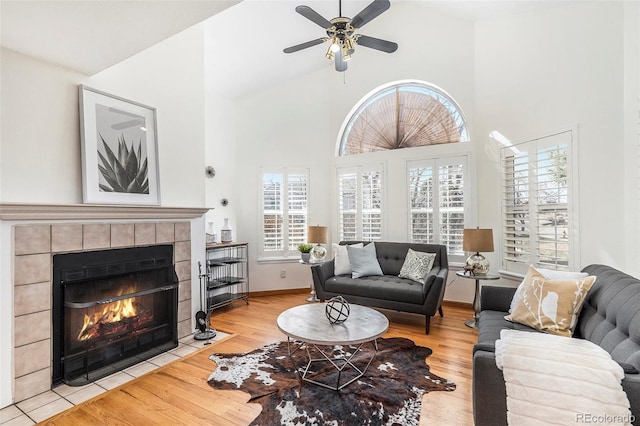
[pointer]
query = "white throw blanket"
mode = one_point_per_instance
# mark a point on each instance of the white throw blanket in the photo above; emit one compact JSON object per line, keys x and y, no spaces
{"x":555,"y":380}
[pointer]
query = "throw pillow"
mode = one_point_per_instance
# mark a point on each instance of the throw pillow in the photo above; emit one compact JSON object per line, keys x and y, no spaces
{"x":363,"y":261}
{"x":341,"y":264}
{"x":549,"y":274}
{"x":551,"y":306}
{"x":417,"y":265}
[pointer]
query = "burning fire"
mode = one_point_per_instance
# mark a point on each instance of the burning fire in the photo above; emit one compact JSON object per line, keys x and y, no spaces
{"x":112,"y":313}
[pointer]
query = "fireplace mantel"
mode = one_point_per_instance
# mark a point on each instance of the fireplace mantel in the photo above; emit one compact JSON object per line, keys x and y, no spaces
{"x":25,"y":211}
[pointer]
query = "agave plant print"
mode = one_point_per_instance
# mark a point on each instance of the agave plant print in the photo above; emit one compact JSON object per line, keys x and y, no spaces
{"x":122,"y":151}
{"x":125,"y":172}
{"x":119,"y":150}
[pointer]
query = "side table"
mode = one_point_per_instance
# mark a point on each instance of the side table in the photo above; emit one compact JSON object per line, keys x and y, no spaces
{"x":312,"y":298}
{"x":476,"y":298}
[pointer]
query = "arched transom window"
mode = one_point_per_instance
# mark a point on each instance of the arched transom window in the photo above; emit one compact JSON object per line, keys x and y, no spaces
{"x":403,"y":115}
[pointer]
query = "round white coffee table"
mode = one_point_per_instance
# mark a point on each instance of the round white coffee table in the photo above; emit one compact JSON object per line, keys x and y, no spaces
{"x":309,"y":325}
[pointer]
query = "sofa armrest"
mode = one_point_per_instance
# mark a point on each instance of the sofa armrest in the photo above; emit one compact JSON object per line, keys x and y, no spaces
{"x":489,"y":393}
{"x":631,"y":386}
{"x":496,"y":298}
{"x":321,"y":273}
{"x":433,"y":289}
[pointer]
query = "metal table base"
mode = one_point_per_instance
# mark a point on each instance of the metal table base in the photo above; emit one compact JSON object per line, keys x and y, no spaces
{"x":338,"y":363}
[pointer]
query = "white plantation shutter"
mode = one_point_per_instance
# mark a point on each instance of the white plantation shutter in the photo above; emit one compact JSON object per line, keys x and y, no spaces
{"x":537,"y":213}
{"x":348,"y":205}
{"x":371,"y":205}
{"x":285,"y":195}
{"x":421,"y":204}
{"x":298,"y":196}
{"x":360,"y":203}
{"x":437,"y":202}
{"x":451,"y":206}
{"x":272,"y":219}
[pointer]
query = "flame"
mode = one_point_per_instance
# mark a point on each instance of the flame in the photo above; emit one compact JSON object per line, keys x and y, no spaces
{"x":111,"y":313}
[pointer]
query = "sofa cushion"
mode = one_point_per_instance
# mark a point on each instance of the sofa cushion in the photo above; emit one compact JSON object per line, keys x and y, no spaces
{"x":342,"y":266}
{"x":385,"y":287}
{"x":490,"y":323}
{"x":417,"y":265}
{"x":363,"y":261}
{"x":551,"y":306}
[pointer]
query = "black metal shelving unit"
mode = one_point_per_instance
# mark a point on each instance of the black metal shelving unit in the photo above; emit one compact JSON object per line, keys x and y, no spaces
{"x":227,"y":274}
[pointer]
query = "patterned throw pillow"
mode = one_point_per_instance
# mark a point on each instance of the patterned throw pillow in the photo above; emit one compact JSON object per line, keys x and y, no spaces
{"x":549,"y":274}
{"x":551,"y":306}
{"x":417,"y":265}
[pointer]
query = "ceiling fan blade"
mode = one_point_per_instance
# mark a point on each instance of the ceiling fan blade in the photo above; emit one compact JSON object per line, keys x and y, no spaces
{"x":369,"y":13}
{"x":376,"y":43}
{"x":341,"y":64}
{"x":314,"y":16}
{"x":301,"y":46}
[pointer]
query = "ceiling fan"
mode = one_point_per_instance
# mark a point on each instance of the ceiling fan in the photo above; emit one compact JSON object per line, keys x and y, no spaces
{"x":341,"y":32}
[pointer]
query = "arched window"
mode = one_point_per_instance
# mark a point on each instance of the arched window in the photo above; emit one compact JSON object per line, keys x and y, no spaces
{"x":402,"y":114}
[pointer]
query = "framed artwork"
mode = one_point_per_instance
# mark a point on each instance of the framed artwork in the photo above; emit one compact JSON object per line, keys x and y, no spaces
{"x":119,"y":150}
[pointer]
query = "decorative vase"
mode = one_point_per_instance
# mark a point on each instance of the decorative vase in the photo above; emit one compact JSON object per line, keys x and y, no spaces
{"x":211,"y":236}
{"x":305,"y":257}
{"x":225,"y":232}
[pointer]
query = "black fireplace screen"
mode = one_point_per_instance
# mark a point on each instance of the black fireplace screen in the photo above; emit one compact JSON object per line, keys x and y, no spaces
{"x":112,"y":309}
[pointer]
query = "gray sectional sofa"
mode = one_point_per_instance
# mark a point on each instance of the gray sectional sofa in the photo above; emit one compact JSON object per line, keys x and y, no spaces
{"x":389,"y":291}
{"x":610,"y":318}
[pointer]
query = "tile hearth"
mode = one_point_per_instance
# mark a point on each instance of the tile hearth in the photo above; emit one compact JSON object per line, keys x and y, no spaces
{"x":63,"y":397}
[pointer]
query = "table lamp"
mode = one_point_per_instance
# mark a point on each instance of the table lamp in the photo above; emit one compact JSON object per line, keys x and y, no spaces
{"x":477,"y":240}
{"x":317,"y":235}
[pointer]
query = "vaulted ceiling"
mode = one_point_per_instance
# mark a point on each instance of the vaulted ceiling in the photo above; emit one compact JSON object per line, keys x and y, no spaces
{"x":246,"y":38}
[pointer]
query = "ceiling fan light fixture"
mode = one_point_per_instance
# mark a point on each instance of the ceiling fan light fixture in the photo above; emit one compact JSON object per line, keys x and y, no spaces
{"x":330,"y":54}
{"x":335,"y":45}
{"x":349,"y":47}
{"x":345,"y":54}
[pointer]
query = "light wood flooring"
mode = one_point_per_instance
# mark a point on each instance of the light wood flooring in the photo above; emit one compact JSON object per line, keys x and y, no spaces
{"x":178,"y":393}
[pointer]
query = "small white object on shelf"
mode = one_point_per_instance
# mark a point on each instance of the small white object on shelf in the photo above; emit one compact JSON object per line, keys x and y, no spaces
{"x":211,"y":236}
{"x":226,"y":232}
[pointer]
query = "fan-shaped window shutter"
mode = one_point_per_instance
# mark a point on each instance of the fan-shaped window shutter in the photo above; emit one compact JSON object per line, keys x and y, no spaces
{"x":403,"y":115}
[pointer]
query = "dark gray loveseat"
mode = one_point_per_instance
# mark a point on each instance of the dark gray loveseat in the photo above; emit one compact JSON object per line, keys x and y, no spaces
{"x":389,"y":291}
{"x":610,"y":318}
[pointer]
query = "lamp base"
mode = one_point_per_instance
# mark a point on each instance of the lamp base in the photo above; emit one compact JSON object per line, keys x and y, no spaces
{"x":478,"y":264}
{"x":318,"y":253}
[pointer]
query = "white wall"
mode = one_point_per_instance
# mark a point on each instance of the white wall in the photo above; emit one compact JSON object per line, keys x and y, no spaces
{"x":632,"y":133}
{"x":539,"y":72}
{"x":170,"y":77}
{"x":297,"y":123}
{"x":40,"y":133}
{"x":40,"y":142}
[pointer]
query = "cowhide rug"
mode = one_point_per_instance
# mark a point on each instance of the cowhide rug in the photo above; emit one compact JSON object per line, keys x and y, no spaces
{"x":389,"y":393}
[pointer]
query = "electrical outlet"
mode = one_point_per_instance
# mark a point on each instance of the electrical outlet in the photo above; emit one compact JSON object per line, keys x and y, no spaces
{"x":283,"y":273}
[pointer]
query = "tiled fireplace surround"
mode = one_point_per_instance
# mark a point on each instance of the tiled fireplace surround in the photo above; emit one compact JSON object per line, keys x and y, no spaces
{"x":33,"y":247}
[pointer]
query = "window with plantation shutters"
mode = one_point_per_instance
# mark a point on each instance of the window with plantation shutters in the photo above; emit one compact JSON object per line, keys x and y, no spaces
{"x":537,"y":211}
{"x":285,"y":195}
{"x":360,"y":204}
{"x":437,"y":202}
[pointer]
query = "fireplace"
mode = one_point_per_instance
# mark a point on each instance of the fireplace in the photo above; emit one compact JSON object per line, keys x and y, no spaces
{"x":111,"y":310}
